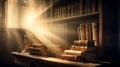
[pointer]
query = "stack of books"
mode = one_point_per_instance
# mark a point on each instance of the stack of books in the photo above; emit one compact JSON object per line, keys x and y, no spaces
{"x":79,"y":50}
{"x":38,"y":49}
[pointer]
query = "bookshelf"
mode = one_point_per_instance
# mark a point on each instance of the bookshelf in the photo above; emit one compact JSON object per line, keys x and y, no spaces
{"x":75,"y":13}
{"x":96,"y":19}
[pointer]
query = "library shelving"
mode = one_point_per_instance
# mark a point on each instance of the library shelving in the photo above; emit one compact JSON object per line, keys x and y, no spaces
{"x":84,"y":20}
{"x":87,"y":20}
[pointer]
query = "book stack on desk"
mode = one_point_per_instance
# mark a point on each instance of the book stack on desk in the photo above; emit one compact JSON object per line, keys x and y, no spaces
{"x":38,"y":49}
{"x":79,"y":50}
{"x":71,"y":55}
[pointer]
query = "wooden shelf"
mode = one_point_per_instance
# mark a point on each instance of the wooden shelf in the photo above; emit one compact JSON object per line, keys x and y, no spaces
{"x":90,"y":16}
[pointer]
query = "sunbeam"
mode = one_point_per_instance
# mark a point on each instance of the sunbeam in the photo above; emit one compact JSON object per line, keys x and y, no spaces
{"x":32,"y":21}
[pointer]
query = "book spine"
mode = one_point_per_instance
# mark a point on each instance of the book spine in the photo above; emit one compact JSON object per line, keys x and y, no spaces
{"x":79,"y":37}
{"x":78,"y":53}
{"x":79,"y":48}
{"x":90,"y":37}
{"x":95,"y":32}
{"x":81,"y":31}
{"x":86,"y":31}
{"x":72,"y":8}
{"x":88,"y":6}
{"x":84,"y":7}
{"x":77,"y":8}
{"x":81,"y":7}
{"x":69,"y":57}
{"x":69,"y":11}
{"x":92,"y":8}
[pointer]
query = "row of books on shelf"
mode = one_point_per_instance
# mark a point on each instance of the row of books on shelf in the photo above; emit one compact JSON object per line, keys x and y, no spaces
{"x":75,"y":8}
{"x":88,"y":31}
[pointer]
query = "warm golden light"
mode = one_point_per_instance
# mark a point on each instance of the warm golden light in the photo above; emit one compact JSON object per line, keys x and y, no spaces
{"x":12,"y":14}
{"x":28,"y":20}
{"x":31,"y":21}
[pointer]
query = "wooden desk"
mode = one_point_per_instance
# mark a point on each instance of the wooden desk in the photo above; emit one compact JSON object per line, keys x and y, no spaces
{"x":39,"y":61}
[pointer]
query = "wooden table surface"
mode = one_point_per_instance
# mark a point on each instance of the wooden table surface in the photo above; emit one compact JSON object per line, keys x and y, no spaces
{"x":53,"y":60}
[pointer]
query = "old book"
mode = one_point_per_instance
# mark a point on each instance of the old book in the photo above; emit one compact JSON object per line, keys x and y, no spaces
{"x":68,"y":10}
{"x":95,"y":32}
{"x":38,"y":51}
{"x":83,"y":42}
{"x":80,"y":42}
{"x":72,"y":9}
{"x":82,"y":31}
{"x":87,"y":6}
{"x":86,"y":31}
{"x":79,"y":36}
{"x":77,"y":8}
{"x":79,"y":48}
{"x":90,"y":36}
{"x":38,"y":46}
{"x":92,"y":6}
{"x":68,"y":57}
{"x":73,"y":52}
{"x":81,"y":9}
